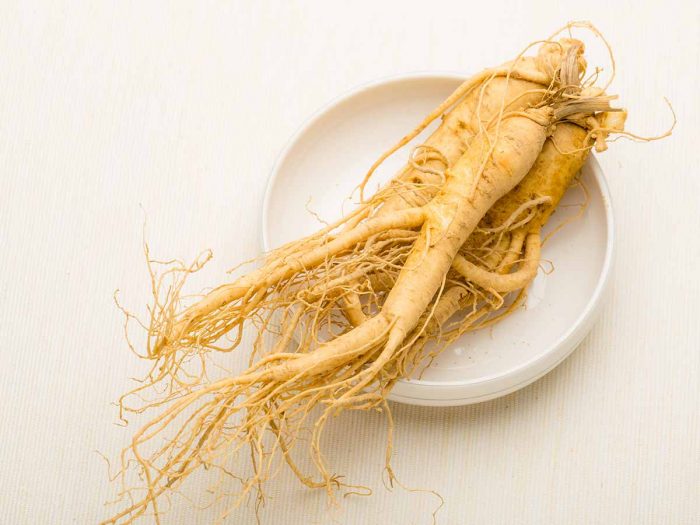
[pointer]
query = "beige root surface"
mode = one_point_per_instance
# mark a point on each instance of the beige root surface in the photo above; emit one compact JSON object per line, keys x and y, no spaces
{"x":400,"y":262}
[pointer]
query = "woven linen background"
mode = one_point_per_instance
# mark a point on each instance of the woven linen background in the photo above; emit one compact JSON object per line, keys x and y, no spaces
{"x":113,"y":113}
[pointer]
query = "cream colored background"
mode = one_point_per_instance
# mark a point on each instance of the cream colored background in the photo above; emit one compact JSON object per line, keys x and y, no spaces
{"x":180,"y":108}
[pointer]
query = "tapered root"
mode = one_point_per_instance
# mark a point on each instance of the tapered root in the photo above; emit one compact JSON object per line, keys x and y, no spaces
{"x":503,"y":282}
{"x":353,"y":308}
{"x":255,"y":286}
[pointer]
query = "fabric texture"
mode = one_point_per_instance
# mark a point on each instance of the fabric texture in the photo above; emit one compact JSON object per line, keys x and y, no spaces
{"x":118,"y":114}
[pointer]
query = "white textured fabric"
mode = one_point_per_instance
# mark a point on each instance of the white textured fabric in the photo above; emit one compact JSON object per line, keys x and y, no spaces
{"x":179,"y":108}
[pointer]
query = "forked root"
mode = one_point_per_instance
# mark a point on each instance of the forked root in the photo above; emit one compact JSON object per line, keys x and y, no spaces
{"x":503,"y":282}
{"x":212,"y":424}
{"x":351,"y":309}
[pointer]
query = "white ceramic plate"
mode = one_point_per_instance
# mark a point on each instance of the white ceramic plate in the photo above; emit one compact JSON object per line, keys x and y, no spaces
{"x":323,"y":163}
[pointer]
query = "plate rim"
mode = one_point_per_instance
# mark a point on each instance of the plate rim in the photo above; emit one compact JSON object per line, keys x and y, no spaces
{"x":572,"y":337}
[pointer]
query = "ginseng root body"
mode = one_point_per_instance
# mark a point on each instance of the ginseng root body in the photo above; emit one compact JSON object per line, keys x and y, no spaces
{"x":343,"y":314}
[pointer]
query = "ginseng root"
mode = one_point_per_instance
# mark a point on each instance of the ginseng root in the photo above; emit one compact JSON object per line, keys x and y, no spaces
{"x":459,"y":228}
